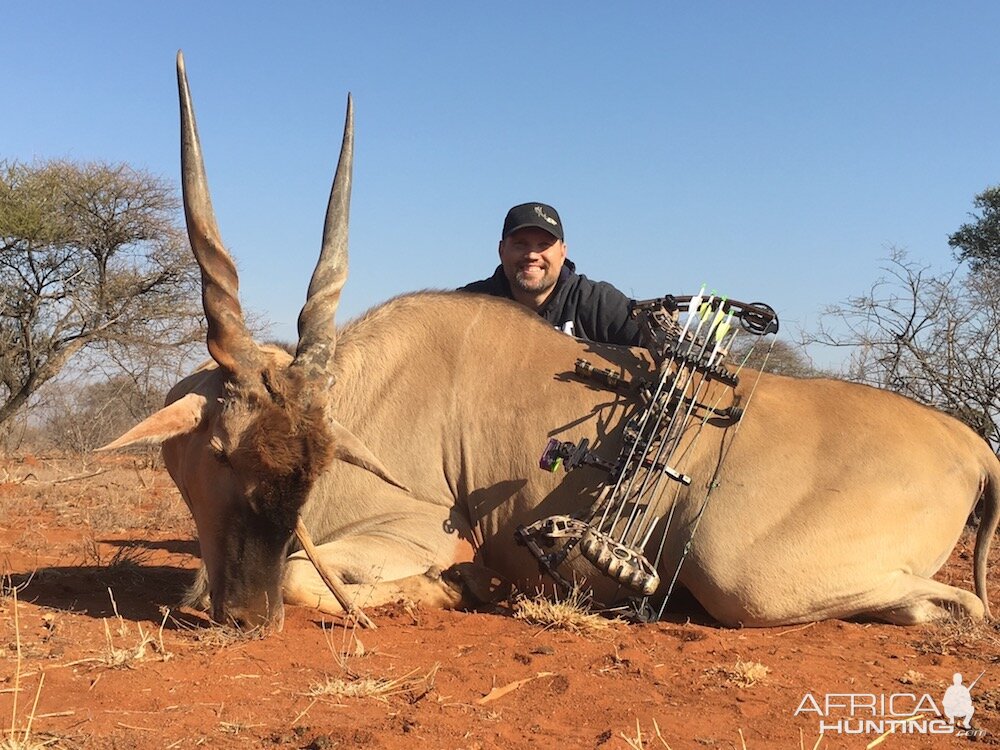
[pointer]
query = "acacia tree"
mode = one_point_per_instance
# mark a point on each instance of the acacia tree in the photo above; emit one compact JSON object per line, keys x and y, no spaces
{"x":91,"y":260}
{"x":979,"y":240}
{"x":934,"y":337}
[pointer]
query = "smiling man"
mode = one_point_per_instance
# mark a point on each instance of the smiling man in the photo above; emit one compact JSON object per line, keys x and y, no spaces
{"x":535,"y":271}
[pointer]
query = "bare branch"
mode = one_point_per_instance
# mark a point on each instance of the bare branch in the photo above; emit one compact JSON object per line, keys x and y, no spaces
{"x":930,"y":336}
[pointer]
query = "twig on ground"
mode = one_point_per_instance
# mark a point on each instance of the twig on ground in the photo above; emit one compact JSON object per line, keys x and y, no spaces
{"x":500,"y":692}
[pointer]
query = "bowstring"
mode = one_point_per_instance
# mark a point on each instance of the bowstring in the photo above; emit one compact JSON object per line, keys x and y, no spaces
{"x":718,"y":469}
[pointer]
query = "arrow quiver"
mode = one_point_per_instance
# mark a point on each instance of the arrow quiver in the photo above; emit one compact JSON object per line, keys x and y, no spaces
{"x":689,"y":339}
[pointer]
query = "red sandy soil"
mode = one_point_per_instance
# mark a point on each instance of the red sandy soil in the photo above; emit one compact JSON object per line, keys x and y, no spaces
{"x":66,"y":539}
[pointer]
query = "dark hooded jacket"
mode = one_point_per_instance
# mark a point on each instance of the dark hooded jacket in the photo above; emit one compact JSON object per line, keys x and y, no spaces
{"x":597,"y":311}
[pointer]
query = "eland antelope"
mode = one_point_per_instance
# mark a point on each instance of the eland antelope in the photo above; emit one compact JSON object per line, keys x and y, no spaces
{"x":405,"y":445}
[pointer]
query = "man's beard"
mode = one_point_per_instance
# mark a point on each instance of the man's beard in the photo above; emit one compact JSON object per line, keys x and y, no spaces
{"x":534,"y":286}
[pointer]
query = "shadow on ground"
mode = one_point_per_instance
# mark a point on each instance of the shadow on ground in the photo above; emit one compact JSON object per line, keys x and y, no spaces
{"x":140,"y":592}
{"x":173,"y":546}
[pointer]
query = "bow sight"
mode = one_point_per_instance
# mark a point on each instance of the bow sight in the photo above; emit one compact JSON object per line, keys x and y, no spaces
{"x":693,"y":377}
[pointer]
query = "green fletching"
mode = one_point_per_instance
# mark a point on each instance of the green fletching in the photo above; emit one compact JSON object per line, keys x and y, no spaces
{"x":719,"y":314}
{"x":724,"y":327}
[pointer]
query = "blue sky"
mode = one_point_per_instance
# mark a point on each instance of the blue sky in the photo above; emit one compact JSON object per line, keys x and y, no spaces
{"x":772,"y":150}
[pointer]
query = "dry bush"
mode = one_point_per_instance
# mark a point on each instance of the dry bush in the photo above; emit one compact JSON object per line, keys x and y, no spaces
{"x":124,"y":564}
{"x":108,"y":495}
{"x":102,"y":494}
{"x":572,"y":613}
{"x":79,"y":417}
{"x":125,"y":508}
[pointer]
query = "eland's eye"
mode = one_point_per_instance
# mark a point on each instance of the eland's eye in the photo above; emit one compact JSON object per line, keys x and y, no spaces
{"x":218,"y":450}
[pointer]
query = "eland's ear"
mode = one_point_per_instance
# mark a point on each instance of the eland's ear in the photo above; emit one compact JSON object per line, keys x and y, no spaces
{"x":179,"y":418}
{"x":347,"y":447}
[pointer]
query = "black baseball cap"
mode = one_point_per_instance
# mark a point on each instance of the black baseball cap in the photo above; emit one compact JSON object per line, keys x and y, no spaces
{"x":533,"y":215}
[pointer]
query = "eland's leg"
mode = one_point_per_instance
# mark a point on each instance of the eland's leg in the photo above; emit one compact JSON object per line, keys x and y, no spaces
{"x":304,"y":587}
{"x":377,"y":569}
{"x":910,"y":600}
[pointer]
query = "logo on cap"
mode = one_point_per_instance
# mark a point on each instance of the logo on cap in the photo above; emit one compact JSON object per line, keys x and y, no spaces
{"x":541,"y":212}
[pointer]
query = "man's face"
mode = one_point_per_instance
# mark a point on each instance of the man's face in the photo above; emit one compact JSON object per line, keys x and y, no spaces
{"x":532,"y":259}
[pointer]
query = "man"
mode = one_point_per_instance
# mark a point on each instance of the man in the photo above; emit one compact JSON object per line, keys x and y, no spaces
{"x":535,"y":271}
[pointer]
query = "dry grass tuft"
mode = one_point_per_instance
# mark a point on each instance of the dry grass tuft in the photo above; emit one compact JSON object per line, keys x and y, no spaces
{"x":157,"y":507}
{"x":350,"y":648}
{"x":958,"y":635}
{"x":573,"y":613}
{"x":411,"y":685}
{"x":744,"y":674}
{"x":223,"y":636}
{"x":353,"y":684}
{"x":120,"y":657}
{"x":911,"y":677}
{"x":26,"y":742}
{"x":639,"y":742}
{"x":236,"y":728}
{"x":117,"y":656}
{"x":17,"y":738}
{"x":213,"y":634}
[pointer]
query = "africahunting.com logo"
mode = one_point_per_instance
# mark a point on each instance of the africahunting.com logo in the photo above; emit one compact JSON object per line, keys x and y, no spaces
{"x":900,"y":713}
